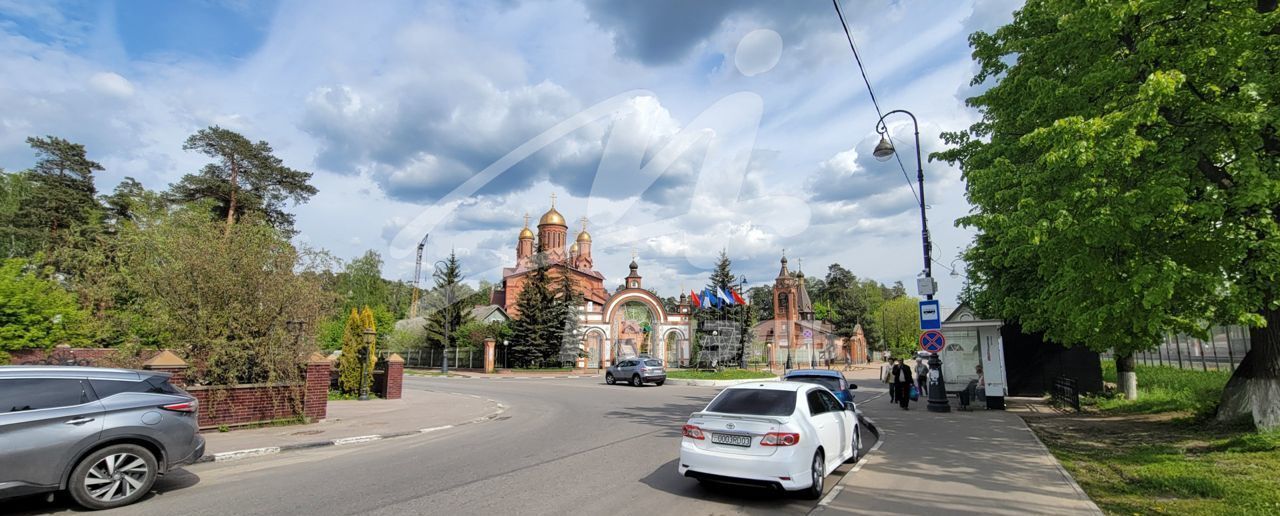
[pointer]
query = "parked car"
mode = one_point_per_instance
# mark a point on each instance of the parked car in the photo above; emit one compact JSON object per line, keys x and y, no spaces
{"x":636,"y":371}
{"x":834,"y":381}
{"x":781,"y":435}
{"x":102,"y":435}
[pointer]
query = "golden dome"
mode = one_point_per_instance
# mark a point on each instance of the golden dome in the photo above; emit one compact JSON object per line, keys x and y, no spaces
{"x":525,"y":233}
{"x":552,"y":217}
{"x":584,"y":237}
{"x":574,"y":248}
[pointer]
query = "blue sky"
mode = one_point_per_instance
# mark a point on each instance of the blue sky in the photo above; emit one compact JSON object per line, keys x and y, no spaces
{"x":405,"y":110}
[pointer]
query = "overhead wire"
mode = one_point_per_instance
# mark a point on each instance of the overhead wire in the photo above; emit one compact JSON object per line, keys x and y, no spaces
{"x":849,"y":36}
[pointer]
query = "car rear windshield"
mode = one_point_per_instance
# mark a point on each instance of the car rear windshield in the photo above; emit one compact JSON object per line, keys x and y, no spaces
{"x":833,"y":384}
{"x":756,"y":402}
{"x":653,"y":363}
{"x":150,"y":384}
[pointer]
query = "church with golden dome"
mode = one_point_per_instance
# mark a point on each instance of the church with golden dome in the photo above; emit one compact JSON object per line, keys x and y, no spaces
{"x":625,"y":323}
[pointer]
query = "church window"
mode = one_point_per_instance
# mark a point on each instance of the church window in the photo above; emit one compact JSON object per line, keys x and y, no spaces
{"x":634,"y":284}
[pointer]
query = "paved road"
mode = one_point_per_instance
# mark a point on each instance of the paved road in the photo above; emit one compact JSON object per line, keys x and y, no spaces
{"x":568,"y":446}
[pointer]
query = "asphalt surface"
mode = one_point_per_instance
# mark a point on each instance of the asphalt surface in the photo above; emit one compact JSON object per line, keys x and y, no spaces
{"x":563,"y":446}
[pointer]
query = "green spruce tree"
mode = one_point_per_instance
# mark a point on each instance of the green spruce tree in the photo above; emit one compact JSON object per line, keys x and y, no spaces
{"x":535,"y":322}
{"x":448,"y":306}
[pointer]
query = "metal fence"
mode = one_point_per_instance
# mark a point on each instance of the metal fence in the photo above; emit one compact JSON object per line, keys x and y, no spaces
{"x":1067,"y":392}
{"x":1223,"y":351}
{"x":461,"y":358}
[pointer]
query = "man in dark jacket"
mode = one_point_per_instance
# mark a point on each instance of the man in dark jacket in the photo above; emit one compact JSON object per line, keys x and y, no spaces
{"x":902,"y":383}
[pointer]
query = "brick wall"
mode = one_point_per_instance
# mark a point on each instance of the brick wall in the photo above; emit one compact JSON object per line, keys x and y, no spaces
{"x":395,"y":378}
{"x":219,"y":405}
{"x":244,"y":404}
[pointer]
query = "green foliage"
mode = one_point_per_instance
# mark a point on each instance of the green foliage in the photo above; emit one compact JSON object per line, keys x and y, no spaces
{"x":15,"y":240}
{"x":361,"y":283}
{"x":245,"y":178}
{"x":727,"y":374}
{"x":1166,"y":389}
{"x":899,"y":320}
{"x":449,"y":307}
{"x":349,"y":362}
{"x":1126,"y":169}
{"x":223,"y":301}
{"x":35,"y":312}
{"x":473,"y":333}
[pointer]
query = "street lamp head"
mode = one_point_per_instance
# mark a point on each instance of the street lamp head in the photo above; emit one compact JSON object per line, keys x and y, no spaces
{"x":369,"y":336}
{"x":884,"y":149}
{"x":955,"y":273}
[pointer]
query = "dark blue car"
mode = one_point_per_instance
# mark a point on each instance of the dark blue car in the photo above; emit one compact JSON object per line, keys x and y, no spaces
{"x":832,"y":380}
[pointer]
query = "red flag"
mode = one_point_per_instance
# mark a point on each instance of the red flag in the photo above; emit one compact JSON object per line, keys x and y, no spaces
{"x":736,"y":297}
{"x":696,"y":301}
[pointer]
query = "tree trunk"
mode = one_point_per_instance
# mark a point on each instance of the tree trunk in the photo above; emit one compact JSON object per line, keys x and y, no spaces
{"x":1126,"y":377}
{"x":1254,"y":390}
{"x":231,"y":206}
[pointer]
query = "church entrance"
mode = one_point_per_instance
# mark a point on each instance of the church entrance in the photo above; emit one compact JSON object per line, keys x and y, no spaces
{"x":595,"y":349}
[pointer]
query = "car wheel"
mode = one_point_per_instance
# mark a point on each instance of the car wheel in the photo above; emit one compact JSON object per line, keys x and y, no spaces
{"x":608,"y":378}
{"x":636,"y":380}
{"x":857,"y":445}
{"x":819,"y":473}
{"x":659,"y":383}
{"x":113,"y":477}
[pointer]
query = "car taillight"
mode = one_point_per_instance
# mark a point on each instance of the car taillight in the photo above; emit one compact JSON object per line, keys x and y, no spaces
{"x":779,"y":439}
{"x":693,"y":432}
{"x":186,"y":406}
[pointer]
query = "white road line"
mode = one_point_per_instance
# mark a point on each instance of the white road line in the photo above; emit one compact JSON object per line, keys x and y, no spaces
{"x":357,"y":439}
{"x":244,"y":454}
{"x":826,"y":500}
{"x":434,"y":428}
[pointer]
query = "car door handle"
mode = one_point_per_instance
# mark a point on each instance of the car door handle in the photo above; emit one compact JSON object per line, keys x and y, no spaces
{"x":79,"y":421}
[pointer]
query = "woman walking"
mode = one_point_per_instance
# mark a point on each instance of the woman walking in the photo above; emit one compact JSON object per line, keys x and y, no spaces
{"x":902,"y":383}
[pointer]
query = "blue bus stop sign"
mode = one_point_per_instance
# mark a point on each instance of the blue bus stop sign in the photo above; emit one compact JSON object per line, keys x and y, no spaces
{"x":932,"y":341}
{"x":930,"y":315}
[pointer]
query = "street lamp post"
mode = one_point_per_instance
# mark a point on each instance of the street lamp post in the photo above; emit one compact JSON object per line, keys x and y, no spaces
{"x":883,"y":151}
{"x":742,"y":361}
{"x":506,"y":355}
{"x":363,"y":355}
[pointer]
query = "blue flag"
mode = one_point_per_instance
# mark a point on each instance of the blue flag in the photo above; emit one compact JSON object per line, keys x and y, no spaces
{"x":724,"y":296}
{"x":712,"y":299}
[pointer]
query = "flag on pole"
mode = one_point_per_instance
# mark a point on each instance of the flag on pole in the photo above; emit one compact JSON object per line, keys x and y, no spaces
{"x":728,"y":301}
{"x":737,"y":297}
{"x":711,"y":299}
{"x":696,"y":301}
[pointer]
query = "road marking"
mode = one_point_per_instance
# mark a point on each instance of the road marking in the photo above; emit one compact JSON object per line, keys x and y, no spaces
{"x":826,"y":500}
{"x":434,"y":428}
{"x":244,"y":454}
{"x":357,"y":439}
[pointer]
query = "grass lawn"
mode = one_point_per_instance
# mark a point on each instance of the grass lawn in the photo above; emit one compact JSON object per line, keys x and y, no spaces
{"x":427,"y":372}
{"x":1162,"y":454}
{"x":727,"y":374}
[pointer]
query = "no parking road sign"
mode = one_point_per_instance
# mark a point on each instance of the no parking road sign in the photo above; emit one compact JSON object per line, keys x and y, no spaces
{"x":932,"y":341}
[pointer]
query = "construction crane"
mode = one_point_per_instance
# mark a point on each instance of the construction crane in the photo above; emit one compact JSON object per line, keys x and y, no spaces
{"x":417,"y":276}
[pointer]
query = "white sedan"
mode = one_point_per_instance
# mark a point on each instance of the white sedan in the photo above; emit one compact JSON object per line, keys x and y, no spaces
{"x":783,"y":435}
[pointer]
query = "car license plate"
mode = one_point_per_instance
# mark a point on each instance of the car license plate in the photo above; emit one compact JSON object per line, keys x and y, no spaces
{"x":731,"y":439}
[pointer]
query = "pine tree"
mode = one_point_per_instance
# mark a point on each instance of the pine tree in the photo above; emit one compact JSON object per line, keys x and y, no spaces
{"x":569,"y":307}
{"x":245,"y":178}
{"x":60,"y":209}
{"x":448,"y":283}
{"x":535,"y":321}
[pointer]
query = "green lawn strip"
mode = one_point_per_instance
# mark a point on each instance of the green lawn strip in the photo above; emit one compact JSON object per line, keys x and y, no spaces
{"x":1162,"y":453}
{"x":727,"y":374}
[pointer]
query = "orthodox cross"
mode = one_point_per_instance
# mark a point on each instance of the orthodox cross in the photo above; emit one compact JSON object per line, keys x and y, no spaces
{"x":584,"y":223}
{"x":553,"y":199}
{"x":526,"y":219}
{"x":633,"y":254}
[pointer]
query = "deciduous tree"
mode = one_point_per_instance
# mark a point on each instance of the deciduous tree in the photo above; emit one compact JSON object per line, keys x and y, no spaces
{"x":1125,"y":178}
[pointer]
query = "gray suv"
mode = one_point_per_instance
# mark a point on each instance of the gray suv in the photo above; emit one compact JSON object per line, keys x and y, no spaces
{"x":103,"y":435}
{"x":636,"y":371}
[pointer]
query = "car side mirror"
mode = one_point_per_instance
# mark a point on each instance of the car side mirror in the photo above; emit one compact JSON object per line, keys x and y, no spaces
{"x":850,"y":406}
{"x":853,"y":386}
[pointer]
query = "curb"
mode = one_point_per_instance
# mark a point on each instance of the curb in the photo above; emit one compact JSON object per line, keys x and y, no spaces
{"x":835,"y":491}
{"x":342,"y":441}
{"x":1063,"y":471}
{"x":717,"y":383}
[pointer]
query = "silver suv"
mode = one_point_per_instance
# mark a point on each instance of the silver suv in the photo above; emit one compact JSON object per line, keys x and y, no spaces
{"x":636,"y":371}
{"x":103,"y":435}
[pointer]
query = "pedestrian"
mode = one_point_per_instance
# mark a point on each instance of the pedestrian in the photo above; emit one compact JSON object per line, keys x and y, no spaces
{"x":902,"y":383}
{"x":922,"y":377}
{"x":886,"y":375}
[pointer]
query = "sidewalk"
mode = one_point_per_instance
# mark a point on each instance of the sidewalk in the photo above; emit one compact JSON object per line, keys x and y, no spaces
{"x":980,"y":462}
{"x":355,"y":421}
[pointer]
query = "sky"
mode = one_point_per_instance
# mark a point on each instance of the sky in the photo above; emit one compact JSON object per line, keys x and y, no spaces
{"x":678,"y":129}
